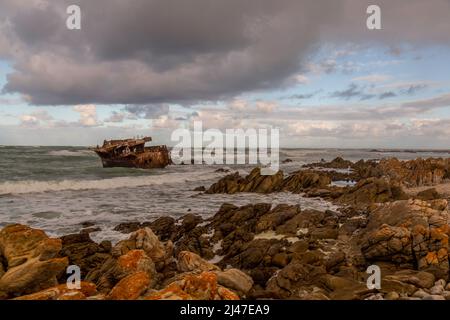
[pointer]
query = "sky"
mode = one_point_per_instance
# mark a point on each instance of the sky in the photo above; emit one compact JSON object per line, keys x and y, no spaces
{"x":311,"y":69}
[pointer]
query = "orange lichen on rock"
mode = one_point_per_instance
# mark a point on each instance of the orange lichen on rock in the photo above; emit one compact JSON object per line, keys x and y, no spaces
{"x":130,"y":287}
{"x":62,"y":292}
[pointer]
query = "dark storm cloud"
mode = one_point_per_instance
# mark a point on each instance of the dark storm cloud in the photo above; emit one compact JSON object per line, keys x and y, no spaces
{"x":151,"y":52}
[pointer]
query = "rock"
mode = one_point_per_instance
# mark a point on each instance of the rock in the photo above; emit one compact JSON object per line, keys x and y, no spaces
{"x":188,"y":261}
{"x":447,"y":287}
{"x":201,"y":188}
{"x":373,"y":190}
{"x":163,"y":227}
{"x":128,"y":227}
{"x":388,"y":243}
{"x":254,"y":182}
{"x":287,"y":160}
{"x":114,"y":270}
{"x":389,"y":284}
{"x":193,"y":287}
{"x":83,"y":252}
{"x":31,"y":260}
{"x":420,"y":294}
{"x":280,"y":259}
{"x":337,"y":163}
{"x":90,"y":230}
{"x":378,"y":296}
{"x":440,"y":282}
{"x":417,"y":172}
{"x":433,"y":297}
{"x":62,"y":292}
{"x":429,"y":194}
{"x":392,"y":296}
{"x":301,"y":180}
{"x":437,"y":290}
{"x":409,"y":231}
{"x":277,"y":216}
{"x":146,"y":240}
{"x":235,"y":279}
{"x":290,"y":280}
{"x":131,"y":287}
{"x":419,"y":279}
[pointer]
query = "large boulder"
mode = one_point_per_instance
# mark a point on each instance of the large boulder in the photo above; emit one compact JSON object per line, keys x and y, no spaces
{"x":144,"y":239}
{"x":131,"y":287}
{"x":31,"y":257}
{"x":116,"y":269}
{"x":201,"y":286}
{"x":409,"y":231}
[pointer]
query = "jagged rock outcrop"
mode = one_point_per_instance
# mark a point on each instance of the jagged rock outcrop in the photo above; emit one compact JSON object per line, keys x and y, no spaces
{"x":372,"y":190}
{"x":31,"y":258}
{"x":410,"y":231}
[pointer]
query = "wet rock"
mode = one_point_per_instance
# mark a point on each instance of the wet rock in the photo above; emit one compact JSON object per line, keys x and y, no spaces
{"x":254,"y":182}
{"x":200,"y":188}
{"x":163,"y":227}
{"x":337,"y":163}
{"x":299,"y":181}
{"x":62,"y":292}
{"x":131,"y":287}
{"x":31,"y":258}
{"x":127,"y":227}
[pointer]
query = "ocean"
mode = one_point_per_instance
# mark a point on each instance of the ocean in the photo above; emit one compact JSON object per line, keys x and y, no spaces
{"x":59,"y":188}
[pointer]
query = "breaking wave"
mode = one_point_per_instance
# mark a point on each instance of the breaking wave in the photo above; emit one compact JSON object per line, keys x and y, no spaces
{"x":32,"y":186}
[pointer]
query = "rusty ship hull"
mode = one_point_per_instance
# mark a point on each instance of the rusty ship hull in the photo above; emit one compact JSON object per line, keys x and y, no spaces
{"x":132,"y":153}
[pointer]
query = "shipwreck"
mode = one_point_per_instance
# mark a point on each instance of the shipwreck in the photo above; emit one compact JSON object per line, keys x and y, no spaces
{"x":133,"y":153}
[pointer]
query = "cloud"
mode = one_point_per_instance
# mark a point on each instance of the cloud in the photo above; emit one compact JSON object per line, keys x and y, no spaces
{"x":352,"y":91}
{"x":88,"y":115}
{"x":35,"y":118}
{"x":304,"y":96}
{"x":151,"y":52}
{"x":386,"y":95}
{"x":373,"y":78}
{"x":265,"y":106}
{"x":148,"y":111}
{"x":116,"y":117}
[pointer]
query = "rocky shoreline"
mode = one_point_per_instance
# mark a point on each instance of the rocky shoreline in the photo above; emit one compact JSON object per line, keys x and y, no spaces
{"x":259,"y":251}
